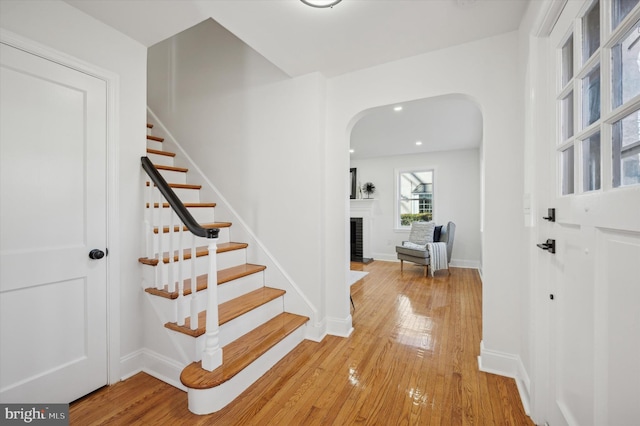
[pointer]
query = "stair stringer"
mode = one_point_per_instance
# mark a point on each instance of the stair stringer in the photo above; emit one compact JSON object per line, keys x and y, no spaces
{"x":295,"y":301}
{"x":206,"y":401}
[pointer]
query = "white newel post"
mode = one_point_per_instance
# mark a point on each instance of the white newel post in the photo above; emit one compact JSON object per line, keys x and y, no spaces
{"x":212,"y":356}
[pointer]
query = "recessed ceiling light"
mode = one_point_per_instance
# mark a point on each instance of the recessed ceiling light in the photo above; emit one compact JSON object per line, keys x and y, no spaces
{"x":398,"y":108}
{"x":419,"y":143}
{"x":321,"y":3}
{"x":351,"y":151}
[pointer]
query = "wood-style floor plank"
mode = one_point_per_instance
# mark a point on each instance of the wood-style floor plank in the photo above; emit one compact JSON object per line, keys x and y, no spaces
{"x":411,"y":359}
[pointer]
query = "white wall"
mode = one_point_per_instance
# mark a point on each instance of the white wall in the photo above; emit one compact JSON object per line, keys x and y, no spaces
{"x":487,"y":72}
{"x":456,"y":199}
{"x":256,"y":135}
{"x":57,"y":25}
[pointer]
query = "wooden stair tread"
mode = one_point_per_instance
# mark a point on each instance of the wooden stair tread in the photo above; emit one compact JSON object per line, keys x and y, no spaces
{"x":229,"y":310}
{"x":180,"y":185}
{"x":235,"y":272}
{"x":171,"y":168}
{"x":157,"y":152}
{"x":155,"y":138}
{"x":149,"y":126}
{"x":188,"y":205}
{"x":200,"y":251}
{"x":240,"y":353}
{"x":224,"y":276}
{"x":176,"y":228}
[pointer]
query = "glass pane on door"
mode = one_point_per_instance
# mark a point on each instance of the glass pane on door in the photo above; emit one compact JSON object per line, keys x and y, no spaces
{"x":626,"y":150}
{"x":568,"y":171}
{"x":591,"y":32}
{"x":620,"y":9}
{"x":591,"y":163}
{"x":591,"y":97}
{"x":626,"y":67}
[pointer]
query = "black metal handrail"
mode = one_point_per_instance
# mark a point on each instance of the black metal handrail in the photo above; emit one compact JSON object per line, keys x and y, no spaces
{"x":175,"y":202}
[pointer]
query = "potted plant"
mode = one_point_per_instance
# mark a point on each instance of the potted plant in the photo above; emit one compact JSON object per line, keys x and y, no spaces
{"x":369,"y":188}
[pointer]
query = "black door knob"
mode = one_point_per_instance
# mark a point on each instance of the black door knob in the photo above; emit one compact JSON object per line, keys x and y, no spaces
{"x":96,"y":254}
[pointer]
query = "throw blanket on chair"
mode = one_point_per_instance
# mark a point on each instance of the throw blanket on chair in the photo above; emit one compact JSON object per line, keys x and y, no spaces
{"x":438,"y":255}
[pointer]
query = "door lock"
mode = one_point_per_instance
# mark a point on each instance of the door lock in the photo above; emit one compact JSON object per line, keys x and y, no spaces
{"x":551,"y":215}
{"x":550,"y":246}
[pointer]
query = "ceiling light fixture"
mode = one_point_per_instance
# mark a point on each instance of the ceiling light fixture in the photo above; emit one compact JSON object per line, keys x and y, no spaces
{"x":419,"y":143}
{"x":321,"y":3}
{"x":398,"y":108}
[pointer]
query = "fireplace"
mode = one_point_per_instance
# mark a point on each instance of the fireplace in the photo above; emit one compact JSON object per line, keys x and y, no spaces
{"x":357,"y":241}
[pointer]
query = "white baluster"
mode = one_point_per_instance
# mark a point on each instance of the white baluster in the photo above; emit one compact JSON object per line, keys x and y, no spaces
{"x":180,"y":301}
{"x":194,"y":285}
{"x":171,"y":284}
{"x":212,"y":354}
{"x":148,"y":221}
{"x":159,"y":256}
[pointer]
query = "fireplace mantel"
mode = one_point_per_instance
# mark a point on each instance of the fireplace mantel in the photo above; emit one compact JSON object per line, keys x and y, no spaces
{"x":362,"y":207}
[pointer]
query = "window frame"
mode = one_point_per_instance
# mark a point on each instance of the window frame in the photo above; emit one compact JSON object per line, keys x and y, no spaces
{"x":397,"y":209}
{"x":601,"y":58}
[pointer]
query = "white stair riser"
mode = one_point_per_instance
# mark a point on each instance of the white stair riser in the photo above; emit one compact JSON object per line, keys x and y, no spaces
{"x":165,"y":160}
{"x":151,"y":144}
{"x":231,"y":258}
{"x":234,"y":329}
{"x":172,"y":176}
{"x":200,"y":214}
{"x":226,"y":291}
{"x":223,"y":237}
{"x":185,"y":195}
{"x":224,"y":260}
{"x":206,"y":401}
{"x":236,"y":288}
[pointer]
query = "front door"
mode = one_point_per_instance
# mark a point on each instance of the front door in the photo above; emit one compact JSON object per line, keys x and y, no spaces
{"x":592,"y":179}
{"x":53,"y":328}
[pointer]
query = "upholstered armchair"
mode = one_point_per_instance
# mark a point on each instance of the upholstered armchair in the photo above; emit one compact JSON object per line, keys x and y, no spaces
{"x":415,"y":249}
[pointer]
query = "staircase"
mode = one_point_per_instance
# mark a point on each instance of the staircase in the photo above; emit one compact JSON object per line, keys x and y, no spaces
{"x":252,"y":332}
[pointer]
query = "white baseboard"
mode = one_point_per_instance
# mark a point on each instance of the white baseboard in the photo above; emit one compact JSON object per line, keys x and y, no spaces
{"x":131,"y":364}
{"x":456,"y":263}
{"x":507,"y":365}
{"x":154,"y":364}
{"x":339,"y":327}
{"x":315,"y":332}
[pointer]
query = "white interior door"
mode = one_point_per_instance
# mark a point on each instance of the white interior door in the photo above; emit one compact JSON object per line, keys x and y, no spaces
{"x":53,"y":328}
{"x":594,"y":286}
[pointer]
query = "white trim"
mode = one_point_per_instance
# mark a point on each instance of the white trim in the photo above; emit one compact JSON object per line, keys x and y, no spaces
{"x":549,"y":18}
{"x":339,"y":327}
{"x":113,"y":193}
{"x":507,"y":365}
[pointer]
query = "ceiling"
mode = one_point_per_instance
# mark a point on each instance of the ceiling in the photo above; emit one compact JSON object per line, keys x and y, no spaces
{"x":353,"y":35}
{"x":441,"y":123}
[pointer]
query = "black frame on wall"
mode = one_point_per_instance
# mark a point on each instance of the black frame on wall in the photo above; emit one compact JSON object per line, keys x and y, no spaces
{"x":352,"y":172}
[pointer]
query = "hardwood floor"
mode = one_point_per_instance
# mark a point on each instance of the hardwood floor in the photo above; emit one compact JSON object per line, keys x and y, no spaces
{"x":411,"y":360}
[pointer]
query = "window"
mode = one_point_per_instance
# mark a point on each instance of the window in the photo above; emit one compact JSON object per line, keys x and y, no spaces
{"x":591,"y":32}
{"x":415,"y":196}
{"x":625,"y":58}
{"x":599,"y":105}
{"x":621,"y":9}
{"x":626,"y":150}
{"x":591,"y":97}
{"x":591,"y":163}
